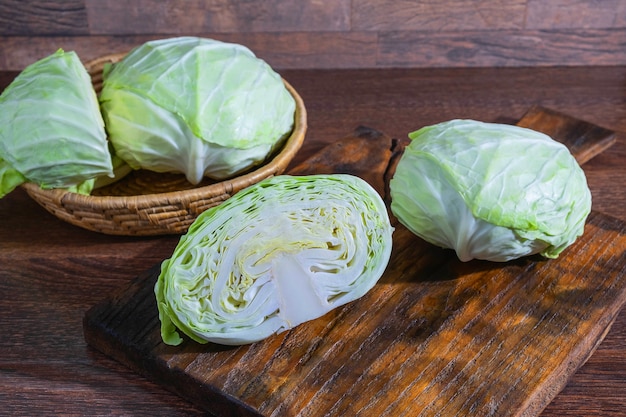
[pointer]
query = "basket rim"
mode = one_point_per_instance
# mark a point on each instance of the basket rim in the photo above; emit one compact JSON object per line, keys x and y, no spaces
{"x":286,"y":153}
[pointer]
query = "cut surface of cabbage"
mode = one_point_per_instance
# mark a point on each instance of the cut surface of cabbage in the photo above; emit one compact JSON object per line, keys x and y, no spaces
{"x":277,"y":254}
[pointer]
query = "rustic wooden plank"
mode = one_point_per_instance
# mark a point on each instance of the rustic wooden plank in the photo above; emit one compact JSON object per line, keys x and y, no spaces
{"x":435,"y":335}
{"x":43,"y":17}
{"x":281,"y":50}
{"x":340,"y":34}
{"x":503,"y":48}
{"x":437,"y":16}
{"x":321,"y":50}
{"x":467,"y":15}
{"x":45,"y":367}
{"x":365,"y":49}
{"x":111,"y":17}
{"x":575,"y":14}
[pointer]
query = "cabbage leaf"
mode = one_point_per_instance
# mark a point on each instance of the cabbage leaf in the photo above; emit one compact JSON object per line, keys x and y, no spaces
{"x":51,"y":129}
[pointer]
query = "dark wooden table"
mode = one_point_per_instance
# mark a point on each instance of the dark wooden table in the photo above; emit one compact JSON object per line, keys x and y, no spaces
{"x":52,"y":272}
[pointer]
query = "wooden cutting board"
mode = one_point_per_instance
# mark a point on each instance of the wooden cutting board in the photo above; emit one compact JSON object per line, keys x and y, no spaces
{"x":434,"y":337}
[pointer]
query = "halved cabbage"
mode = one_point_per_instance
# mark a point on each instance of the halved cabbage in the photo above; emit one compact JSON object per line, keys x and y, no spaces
{"x":51,"y":129}
{"x":490,"y":191}
{"x":196,"y":106}
{"x":281,"y":252}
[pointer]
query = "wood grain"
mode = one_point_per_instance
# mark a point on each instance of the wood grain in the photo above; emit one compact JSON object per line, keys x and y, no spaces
{"x":508,"y":48}
{"x":434,"y":336}
{"x":573,"y":14}
{"x":280,"y":50}
{"x":51,"y":273}
{"x":437,"y":16}
{"x":110,"y":17}
{"x":43,"y":17}
{"x":467,"y":15}
{"x":337,"y":34}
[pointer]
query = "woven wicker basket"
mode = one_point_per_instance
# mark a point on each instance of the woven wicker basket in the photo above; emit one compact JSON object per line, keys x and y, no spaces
{"x":148,"y":203}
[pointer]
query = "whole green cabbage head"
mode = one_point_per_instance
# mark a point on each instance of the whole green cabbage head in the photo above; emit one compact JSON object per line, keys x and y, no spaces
{"x":51,"y":129}
{"x":490,"y":191}
{"x":196,"y":106}
{"x":281,"y":252}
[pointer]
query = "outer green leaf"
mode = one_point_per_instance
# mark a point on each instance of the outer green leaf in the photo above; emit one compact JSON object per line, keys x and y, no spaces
{"x":277,"y":254}
{"x":9,"y":178}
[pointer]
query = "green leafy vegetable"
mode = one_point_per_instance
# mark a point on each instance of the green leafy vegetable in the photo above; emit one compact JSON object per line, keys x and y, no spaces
{"x":196,"y":106}
{"x":490,"y":191}
{"x":279,"y":253}
{"x":51,"y":129}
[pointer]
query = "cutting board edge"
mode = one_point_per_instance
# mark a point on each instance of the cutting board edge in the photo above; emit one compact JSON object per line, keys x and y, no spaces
{"x":160,"y":373}
{"x":536,"y":403}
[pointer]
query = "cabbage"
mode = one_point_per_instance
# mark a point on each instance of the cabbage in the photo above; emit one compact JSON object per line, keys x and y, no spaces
{"x":281,"y":252}
{"x":51,"y":129}
{"x":196,"y":106}
{"x":490,"y":191}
